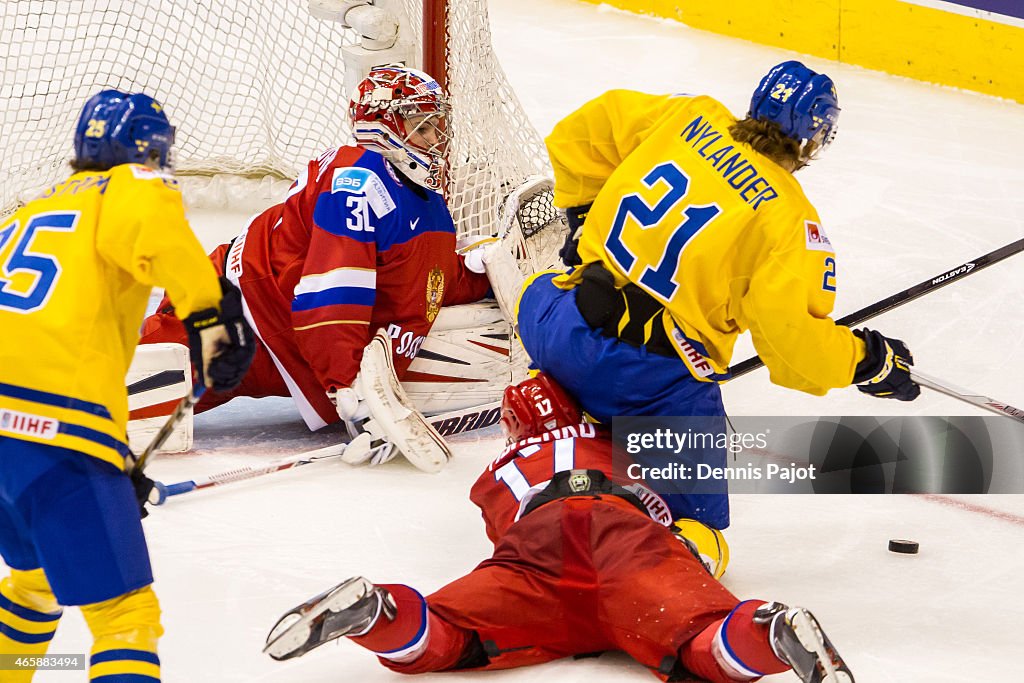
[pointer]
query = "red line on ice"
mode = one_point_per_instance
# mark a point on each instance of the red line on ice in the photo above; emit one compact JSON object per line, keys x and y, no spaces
{"x":971,"y":507}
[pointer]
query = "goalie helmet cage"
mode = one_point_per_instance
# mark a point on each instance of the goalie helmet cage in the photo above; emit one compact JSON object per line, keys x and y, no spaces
{"x":254,"y":87}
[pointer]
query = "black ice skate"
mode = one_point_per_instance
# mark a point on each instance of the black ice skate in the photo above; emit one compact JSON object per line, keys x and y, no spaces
{"x":350,"y":608}
{"x":798,"y":640}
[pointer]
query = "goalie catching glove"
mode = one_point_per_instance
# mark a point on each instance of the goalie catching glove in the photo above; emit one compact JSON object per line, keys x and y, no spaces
{"x":885,"y":370}
{"x":382,"y":419}
{"x":221,"y":342}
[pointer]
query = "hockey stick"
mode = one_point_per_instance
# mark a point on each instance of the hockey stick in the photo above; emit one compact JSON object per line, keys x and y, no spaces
{"x":967,"y":396}
{"x":453,"y":422}
{"x":903,"y":297}
{"x":164,"y":491}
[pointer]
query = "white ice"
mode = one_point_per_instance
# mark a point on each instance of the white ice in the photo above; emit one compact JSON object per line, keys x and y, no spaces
{"x":921,"y":179}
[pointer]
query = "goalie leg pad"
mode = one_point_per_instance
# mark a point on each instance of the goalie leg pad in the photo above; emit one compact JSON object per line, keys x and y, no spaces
{"x":160,"y":374}
{"x":392,"y":414}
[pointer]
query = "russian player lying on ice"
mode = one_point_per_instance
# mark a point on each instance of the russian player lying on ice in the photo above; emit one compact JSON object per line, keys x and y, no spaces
{"x":580,"y":566}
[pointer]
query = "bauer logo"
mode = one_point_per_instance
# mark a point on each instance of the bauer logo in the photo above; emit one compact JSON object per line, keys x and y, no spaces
{"x":349,"y":179}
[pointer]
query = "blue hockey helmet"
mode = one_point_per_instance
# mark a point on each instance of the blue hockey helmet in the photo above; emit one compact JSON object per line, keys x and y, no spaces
{"x":119,"y":128}
{"x":803,"y":102}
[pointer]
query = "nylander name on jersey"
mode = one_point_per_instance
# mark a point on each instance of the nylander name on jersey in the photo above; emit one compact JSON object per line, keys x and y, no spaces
{"x":737,"y":170}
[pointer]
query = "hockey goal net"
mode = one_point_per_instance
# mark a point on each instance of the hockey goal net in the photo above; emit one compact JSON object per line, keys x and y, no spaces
{"x":255,"y":89}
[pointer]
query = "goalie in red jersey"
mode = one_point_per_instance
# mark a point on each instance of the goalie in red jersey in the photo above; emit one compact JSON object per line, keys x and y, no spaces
{"x":363,"y":242}
{"x":580,"y":565}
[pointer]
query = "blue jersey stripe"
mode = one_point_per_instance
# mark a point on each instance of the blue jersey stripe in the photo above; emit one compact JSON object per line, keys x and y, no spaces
{"x":358,"y":296}
{"x":95,"y":436}
{"x":57,"y":400}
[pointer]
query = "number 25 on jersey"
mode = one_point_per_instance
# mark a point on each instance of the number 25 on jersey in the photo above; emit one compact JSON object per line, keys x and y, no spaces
{"x":43,"y":268}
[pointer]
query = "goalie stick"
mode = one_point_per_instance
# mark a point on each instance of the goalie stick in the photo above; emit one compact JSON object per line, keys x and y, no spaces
{"x":448,"y":424}
{"x":900,"y":298}
{"x":967,"y":396}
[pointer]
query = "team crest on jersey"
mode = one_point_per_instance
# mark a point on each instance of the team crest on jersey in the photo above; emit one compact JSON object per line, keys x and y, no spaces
{"x":435,"y":293}
{"x":817,"y":240}
{"x":579,"y":482}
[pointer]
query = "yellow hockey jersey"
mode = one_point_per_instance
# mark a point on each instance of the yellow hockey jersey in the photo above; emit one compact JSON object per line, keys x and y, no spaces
{"x":76,"y":269}
{"x":722,"y":236}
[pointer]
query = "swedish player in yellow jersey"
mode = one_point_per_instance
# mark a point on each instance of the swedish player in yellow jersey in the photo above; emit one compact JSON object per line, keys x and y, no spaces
{"x":76,"y":268}
{"x":693,"y":230}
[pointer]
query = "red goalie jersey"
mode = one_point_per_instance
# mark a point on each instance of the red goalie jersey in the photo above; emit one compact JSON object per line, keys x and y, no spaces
{"x":354,"y":247}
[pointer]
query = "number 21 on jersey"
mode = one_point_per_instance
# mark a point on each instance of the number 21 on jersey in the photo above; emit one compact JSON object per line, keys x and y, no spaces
{"x":659,"y":279}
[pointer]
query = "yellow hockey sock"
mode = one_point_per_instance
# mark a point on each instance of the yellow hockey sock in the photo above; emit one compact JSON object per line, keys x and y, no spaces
{"x":29,"y":615}
{"x":125,"y":631}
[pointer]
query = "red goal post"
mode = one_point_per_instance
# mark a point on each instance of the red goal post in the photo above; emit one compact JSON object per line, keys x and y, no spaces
{"x":255,"y":89}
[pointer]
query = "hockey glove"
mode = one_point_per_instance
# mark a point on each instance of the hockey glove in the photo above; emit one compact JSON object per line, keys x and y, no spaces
{"x":143,"y":486}
{"x":885,"y":370}
{"x":574,"y":216}
{"x":350,"y":407}
{"x":368,"y":444}
{"x":475,"y":255}
{"x":221,"y":343}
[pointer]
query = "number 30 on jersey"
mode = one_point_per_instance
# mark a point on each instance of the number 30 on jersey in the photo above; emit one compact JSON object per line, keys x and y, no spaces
{"x":659,"y":279}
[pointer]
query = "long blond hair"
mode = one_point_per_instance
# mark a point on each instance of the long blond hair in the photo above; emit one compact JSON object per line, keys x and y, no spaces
{"x":767,"y":138}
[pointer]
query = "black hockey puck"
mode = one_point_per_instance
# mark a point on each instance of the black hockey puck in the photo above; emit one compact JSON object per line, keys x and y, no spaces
{"x":897,"y":545}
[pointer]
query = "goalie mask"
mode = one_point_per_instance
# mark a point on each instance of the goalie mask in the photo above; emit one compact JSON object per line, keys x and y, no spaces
{"x":400,"y":112}
{"x":535,"y":406}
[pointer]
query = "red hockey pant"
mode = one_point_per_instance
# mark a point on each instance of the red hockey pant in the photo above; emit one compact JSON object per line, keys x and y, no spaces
{"x":577,"y":576}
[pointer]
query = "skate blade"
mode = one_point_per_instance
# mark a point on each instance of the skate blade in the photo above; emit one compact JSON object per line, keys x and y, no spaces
{"x":813,"y":640}
{"x":290,"y":641}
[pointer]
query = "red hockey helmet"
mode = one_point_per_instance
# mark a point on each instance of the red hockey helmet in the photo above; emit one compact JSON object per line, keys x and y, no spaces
{"x":400,"y":113}
{"x":535,"y":406}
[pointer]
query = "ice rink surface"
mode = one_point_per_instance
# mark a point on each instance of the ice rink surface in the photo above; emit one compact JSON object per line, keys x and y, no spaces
{"x":920,"y":179}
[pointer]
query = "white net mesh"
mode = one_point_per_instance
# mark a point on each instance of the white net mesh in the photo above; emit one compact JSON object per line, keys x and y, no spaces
{"x":254,"y":87}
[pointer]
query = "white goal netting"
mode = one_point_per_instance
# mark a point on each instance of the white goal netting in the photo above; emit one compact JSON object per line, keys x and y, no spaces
{"x":254,"y":87}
